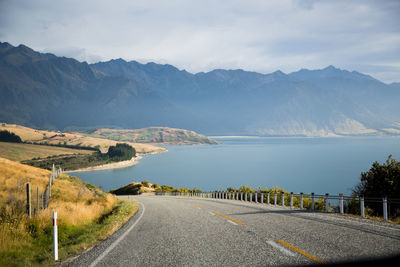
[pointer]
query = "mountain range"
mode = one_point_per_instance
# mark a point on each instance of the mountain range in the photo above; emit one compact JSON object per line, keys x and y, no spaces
{"x":49,"y":92}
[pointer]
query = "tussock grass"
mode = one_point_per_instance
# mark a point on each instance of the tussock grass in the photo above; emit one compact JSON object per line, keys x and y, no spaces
{"x":86,"y":215}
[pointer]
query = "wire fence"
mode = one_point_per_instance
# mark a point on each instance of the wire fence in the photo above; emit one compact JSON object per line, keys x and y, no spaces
{"x":36,"y":200}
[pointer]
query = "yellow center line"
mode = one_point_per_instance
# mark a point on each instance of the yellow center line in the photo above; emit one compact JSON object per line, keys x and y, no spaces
{"x":201,"y":207}
{"x":229,"y":218}
{"x":302,"y":252}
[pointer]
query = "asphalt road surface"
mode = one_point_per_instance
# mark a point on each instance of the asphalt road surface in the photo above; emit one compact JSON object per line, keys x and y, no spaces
{"x":182,"y":231}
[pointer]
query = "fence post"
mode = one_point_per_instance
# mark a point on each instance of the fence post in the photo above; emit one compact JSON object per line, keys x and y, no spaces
{"x":55,"y":236}
{"x":50,"y":183}
{"x":291,"y":200}
{"x":312,"y":202}
{"x":262,"y":198}
{"x":385,"y":213}
{"x":245,"y":197}
{"x":255,"y":197}
{"x":283,"y":199}
{"x":37,"y":199}
{"x":301,"y":200}
{"x":341,"y":203}
{"x":275,"y":199}
{"x":268,"y":198}
{"x":326,"y":202}
{"x":28,"y":200}
{"x":241,"y":196}
{"x":251,"y":196}
{"x":362,"y":206}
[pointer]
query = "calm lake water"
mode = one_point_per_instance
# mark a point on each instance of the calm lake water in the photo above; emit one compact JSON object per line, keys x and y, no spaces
{"x":320,"y":165}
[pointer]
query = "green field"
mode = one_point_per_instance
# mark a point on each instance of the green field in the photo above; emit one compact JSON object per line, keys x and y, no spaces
{"x":20,"y":152}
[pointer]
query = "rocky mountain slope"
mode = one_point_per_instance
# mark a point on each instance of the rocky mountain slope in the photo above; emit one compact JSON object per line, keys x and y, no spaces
{"x":46,"y":91}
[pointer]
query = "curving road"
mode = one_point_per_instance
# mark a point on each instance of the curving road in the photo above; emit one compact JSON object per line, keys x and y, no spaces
{"x":182,"y":231}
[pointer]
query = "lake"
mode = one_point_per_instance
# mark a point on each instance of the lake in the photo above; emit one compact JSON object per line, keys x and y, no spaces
{"x":320,"y":165}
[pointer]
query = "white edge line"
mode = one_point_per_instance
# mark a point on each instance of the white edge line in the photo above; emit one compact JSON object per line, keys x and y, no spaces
{"x":232,"y":222}
{"x":282,"y":249}
{"x":211,"y":213}
{"x":113,"y":245}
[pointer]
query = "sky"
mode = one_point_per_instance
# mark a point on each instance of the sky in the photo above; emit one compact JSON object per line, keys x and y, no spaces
{"x":199,"y":36}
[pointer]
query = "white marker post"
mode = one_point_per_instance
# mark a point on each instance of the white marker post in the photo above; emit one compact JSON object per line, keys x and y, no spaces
{"x":341,"y":203}
{"x":362,"y":206}
{"x":301,"y":200}
{"x":55,"y":235}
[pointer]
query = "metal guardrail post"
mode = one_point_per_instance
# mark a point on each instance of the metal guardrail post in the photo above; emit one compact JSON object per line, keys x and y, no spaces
{"x":251,"y":196}
{"x":262,"y":198}
{"x":301,"y":200}
{"x":268,"y":198}
{"x":385,"y":213}
{"x":255,"y":198}
{"x":275,"y":199}
{"x":283,"y":199}
{"x":241,"y":196}
{"x":362,"y":206}
{"x":291,"y":200}
{"x":326,"y":202}
{"x":341,"y":200}
{"x":312,"y":202}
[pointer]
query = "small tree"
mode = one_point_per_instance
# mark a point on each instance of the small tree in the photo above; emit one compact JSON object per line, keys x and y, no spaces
{"x":380,"y":180}
{"x":6,"y":136}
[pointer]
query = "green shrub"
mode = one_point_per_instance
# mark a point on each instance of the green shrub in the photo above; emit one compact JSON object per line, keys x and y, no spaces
{"x":6,"y":136}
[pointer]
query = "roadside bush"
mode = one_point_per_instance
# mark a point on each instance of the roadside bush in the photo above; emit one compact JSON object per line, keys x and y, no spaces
{"x":146,"y":183}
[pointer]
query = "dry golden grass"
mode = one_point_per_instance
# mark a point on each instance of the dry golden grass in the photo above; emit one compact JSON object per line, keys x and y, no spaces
{"x":51,"y":137}
{"x":79,"y":207}
{"x":20,"y":152}
{"x":86,"y":215}
{"x":74,"y":202}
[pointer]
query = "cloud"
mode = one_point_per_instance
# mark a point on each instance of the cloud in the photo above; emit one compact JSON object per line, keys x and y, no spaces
{"x":202,"y":35}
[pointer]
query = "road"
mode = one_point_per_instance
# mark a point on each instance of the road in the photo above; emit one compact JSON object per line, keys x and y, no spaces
{"x":182,"y":231}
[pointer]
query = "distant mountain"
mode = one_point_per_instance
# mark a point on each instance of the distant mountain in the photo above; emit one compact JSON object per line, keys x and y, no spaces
{"x":42,"y":90}
{"x":46,"y":91}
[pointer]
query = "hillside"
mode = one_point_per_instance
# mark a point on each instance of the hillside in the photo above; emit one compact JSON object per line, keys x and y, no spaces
{"x":154,"y":135}
{"x":21,"y":152}
{"x":50,"y":92}
{"x":86,"y":215}
{"x":75,"y":139}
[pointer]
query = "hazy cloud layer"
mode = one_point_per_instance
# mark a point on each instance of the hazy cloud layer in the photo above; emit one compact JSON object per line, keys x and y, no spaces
{"x":203,"y":35}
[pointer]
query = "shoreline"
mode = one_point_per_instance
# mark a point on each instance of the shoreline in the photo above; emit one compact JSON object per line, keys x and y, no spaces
{"x":110,"y":166}
{"x":116,"y":165}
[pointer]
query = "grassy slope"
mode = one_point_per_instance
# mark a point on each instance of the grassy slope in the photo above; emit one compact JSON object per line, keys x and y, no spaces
{"x":155,"y":135}
{"x":20,"y":152}
{"x":86,"y":216}
{"x":51,"y":137}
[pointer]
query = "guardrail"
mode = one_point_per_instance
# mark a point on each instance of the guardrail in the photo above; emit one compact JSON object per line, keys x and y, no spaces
{"x":327,"y":203}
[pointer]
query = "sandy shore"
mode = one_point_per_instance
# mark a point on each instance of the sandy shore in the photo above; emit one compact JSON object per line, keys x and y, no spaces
{"x":115,"y":165}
